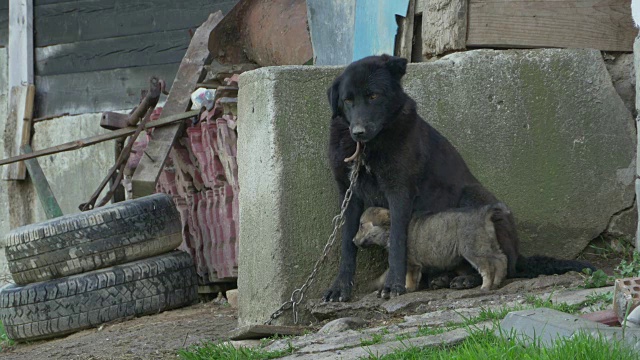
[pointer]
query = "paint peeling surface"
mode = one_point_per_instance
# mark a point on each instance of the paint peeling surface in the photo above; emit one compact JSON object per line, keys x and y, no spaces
{"x":201,"y":175}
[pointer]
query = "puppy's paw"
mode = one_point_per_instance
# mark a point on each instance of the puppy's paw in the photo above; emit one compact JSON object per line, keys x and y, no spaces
{"x":340,"y":291}
{"x":465,"y":282}
{"x":440,"y":282}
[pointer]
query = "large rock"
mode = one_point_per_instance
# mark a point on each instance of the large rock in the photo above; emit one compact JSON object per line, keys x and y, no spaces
{"x":543,"y":129}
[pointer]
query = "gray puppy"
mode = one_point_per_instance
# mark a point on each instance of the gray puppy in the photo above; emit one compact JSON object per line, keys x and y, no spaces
{"x":443,"y":241}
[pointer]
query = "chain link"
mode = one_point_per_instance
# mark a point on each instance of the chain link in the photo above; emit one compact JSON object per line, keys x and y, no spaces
{"x":298,"y":294}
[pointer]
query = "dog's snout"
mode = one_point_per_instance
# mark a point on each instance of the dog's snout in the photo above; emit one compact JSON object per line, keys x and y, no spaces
{"x":357,"y":130}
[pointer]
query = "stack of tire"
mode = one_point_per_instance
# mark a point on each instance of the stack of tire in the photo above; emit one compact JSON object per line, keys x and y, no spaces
{"x":82,"y":270}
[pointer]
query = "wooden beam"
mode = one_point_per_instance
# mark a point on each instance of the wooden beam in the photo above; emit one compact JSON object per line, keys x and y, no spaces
{"x":20,"y":42}
{"x":73,"y":145}
{"x":444,"y":27}
{"x":45,"y":194}
{"x":189,"y":74}
{"x":405,"y":33}
{"x":20,"y":76}
{"x":598,"y":24}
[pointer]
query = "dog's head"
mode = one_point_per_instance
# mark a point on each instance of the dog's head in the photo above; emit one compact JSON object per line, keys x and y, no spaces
{"x":374,"y":228}
{"x":368,"y":94}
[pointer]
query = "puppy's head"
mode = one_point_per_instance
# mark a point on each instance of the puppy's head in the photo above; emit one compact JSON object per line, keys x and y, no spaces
{"x":374,"y":228}
{"x":368,"y":94}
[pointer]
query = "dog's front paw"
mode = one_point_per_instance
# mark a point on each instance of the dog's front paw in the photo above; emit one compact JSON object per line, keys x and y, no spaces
{"x":465,"y":282}
{"x":339,"y":291}
{"x":390,"y":292}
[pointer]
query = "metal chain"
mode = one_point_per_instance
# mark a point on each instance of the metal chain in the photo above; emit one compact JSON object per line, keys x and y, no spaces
{"x":298,"y":294}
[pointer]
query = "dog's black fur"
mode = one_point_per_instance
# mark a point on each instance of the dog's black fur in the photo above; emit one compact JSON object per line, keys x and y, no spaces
{"x":408,"y":166}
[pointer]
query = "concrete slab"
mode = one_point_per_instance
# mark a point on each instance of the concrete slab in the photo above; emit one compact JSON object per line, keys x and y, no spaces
{"x":547,"y":325}
{"x":540,"y":128}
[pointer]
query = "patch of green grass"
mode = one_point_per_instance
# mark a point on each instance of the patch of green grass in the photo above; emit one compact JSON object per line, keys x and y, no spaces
{"x":485,"y":344}
{"x":214,"y":351}
{"x":375,"y":339}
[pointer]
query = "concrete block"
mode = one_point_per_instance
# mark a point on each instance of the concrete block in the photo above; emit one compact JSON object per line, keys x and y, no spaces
{"x":287,"y":196}
{"x":626,"y":296}
{"x":232,"y":298}
{"x":548,"y":325}
{"x":543,"y":129}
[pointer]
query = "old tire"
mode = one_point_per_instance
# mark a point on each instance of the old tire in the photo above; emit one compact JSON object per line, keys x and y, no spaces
{"x":63,"y":306}
{"x":106,"y":236}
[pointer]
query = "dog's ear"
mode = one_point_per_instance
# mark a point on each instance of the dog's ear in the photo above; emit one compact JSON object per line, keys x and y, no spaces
{"x":334,"y":97}
{"x":397,"y":66}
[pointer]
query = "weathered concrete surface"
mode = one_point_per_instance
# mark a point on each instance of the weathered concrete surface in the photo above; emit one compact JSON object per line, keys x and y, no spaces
{"x":547,"y":326}
{"x":287,"y":199}
{"x":544,"y":129}
{"x":371,"y":307}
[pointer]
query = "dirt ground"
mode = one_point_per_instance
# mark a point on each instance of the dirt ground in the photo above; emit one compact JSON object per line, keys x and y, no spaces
{"x":149,"y":337}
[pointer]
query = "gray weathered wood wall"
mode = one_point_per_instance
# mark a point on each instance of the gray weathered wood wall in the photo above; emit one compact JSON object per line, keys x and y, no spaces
{"x":96,"y":55}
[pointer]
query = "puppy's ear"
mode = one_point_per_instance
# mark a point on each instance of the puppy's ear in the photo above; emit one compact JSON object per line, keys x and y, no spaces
{"x":334,"y":97}
{"x":397,"y":66}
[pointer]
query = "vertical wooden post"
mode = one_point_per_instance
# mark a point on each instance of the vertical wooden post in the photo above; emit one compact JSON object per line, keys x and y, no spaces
{"x":405,"y":33}
{"x":444,"y":26}
{"x":18,"y":131}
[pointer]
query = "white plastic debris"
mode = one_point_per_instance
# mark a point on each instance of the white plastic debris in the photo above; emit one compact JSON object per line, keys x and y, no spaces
{"x":202,"y":97}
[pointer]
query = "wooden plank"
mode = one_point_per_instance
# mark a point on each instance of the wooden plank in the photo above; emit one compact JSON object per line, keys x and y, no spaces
{"x":45,"y":194}
{"x":69,"y":22}
{"x":99,"y":91}
{"x":444,"y":27}
{"x":104,"y":54}
{"x":404,"y":40}
{"x":264,"y":331}
{"x":77,"y":144}
{"x":189,"y":74}
{"x":599,"y":24}
{"x":20,"y":63}
{"x":14,"y":128}
{"x":375,"y":26}
{"x":20,"y":43}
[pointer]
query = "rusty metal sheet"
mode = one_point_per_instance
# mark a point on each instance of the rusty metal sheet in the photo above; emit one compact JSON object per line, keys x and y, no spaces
{"x":265,"y":32}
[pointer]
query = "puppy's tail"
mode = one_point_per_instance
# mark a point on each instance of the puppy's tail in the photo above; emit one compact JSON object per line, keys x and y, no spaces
{"x":530,"y":267}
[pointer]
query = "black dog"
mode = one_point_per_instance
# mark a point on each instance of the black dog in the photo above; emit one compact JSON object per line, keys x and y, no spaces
{"x":407,"y":166}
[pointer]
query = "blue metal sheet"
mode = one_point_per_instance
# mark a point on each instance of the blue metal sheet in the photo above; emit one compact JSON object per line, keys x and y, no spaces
{"x":346,"y":30}
{"x":375,"y":26}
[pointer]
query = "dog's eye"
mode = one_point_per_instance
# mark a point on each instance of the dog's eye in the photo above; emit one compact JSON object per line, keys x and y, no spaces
{"x":348,"y":101}
{"x":373,"y":96}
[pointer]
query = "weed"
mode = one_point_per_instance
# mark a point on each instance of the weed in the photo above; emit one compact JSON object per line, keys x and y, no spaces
{"x":596,"y":279}
{"x":5,"y":342}
{"x":629,"y":268}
